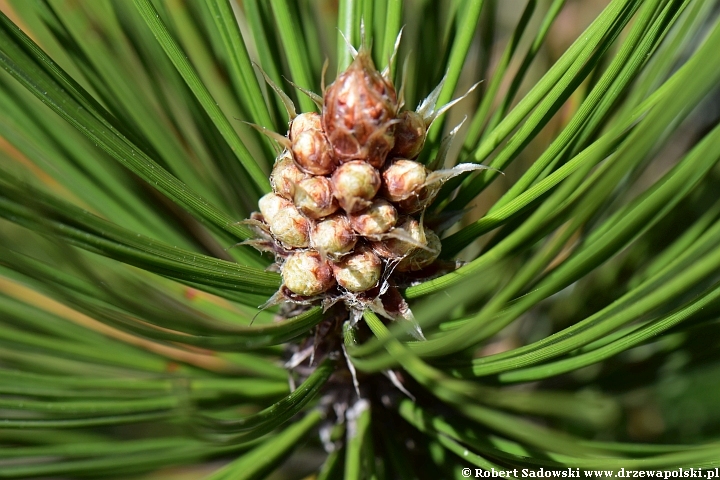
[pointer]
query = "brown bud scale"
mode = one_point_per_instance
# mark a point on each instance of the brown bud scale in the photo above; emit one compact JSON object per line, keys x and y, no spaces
{"x":305,"y":122}
{"x":404,"y":183}
{"x":419,"y":258}
{"x":402,"y":179}
{"x":355,"y":184}
{"x":312,"y":154}
{"x":333,"y":236}
{"x":290,"y":227}
{"x":358,"y":271}
{"x":377,"y":219}
{"x":314,"y":197}
{"x":286,"y":175}
{"x":359,"y":113}
{"x":397,"y":248}
{"x":409,"y":135}
{"x":271,"y":204}
{"x":307,"y":274}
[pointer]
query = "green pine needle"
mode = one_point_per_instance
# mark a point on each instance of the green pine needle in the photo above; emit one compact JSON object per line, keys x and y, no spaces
{"x":570,"y":322}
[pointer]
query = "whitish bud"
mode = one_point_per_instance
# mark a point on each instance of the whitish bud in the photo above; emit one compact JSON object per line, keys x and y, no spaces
{"x":270,"y":205}
{"x":333,"y":236}
{"x":403,"y":178}
{"x":405,"y":184}
{"x":310,"y":146}
{"x":409,"y":135}
{"x":285,"y":175}
{"x":307,"y":274}
{"x":419,"y":258}
{"x":359,"y":113}
{"x":314,"y":197}
{"x":409,"y":236}
{"x":359,"y":271}
{"x":355,"y":184}
{"x":305,"y":122}
{"x":377,"y":219}
{"x":290,"y":227}
{"x":312,"y":153}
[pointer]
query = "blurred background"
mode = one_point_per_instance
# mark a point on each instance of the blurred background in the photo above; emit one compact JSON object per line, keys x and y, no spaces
{"x":665,"y":391}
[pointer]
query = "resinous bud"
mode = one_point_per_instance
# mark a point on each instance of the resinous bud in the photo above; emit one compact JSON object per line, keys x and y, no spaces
{"x":377,"y":219}
{"x":333,"y":236}
{"x":420,"y":258}
{"x":409,"y":135}
{"x":359,"y":111}
{"x":314,"y":197}
{"x":355,"y":184}
{"x":404,"y":183}
{"x":358,"y":271}
{"x":307,"y":274}
{"x":310,"y":146}
{"x":286,"y":175}
{"x":290,"y":227}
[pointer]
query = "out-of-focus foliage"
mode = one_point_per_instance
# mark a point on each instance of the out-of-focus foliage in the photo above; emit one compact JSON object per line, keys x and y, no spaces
{"x":580,"y":330}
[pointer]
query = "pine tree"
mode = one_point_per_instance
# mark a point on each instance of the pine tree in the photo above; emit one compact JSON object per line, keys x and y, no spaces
{"x":535,"y":286}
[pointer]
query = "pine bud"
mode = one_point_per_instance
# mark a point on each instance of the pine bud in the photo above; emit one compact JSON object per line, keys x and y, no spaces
{"x":314,"y":197}
{"x":405,"y":185}
{"x":305,"y":122}
{"x":285,"y":175}
{"x":270,"y":205}
{"x":359,"y":113}
{"x":289,"y":226}
{"x":359,"y":271}
{"x":377,"y":219}
{"x":310,"y":146}
{"x":409,"y":135}
{"x":399,"y":247}
{"x":420,"y":258}
{"x":307,"y":274}
{"x":333,"y":236}
{"x":355,"y":184}
{"x":403,"y":178}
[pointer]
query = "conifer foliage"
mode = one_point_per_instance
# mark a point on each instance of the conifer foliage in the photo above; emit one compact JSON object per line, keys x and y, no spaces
{"x":363,"y":285}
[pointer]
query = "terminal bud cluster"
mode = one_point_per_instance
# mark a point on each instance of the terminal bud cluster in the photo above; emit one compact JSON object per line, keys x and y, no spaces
{"x":348,"y":198}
